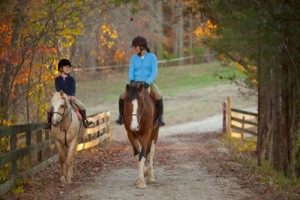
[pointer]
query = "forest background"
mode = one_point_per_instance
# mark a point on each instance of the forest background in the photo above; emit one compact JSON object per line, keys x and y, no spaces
{"x":260,"y":38}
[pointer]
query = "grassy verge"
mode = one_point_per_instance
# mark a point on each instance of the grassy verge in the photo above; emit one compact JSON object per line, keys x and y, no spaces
{"x":174,"y":80}
{"x":243,"y":151}
{"x":106,"y":87}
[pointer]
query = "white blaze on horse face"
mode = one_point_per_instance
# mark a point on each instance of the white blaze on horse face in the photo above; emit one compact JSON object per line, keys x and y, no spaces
{"x":134,"y":122}
{"x":56,"y":108}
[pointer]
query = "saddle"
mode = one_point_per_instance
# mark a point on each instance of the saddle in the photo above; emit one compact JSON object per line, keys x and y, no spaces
{"x":148,"y":90}
{"x":152,"y":95}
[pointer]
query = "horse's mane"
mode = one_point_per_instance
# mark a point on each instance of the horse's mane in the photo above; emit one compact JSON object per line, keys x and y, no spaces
{"x":61,"y":95}
{"x":133,"y":91}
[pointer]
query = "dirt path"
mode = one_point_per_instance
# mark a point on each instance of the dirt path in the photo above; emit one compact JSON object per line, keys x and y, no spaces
{"x":181,"y":169}
{"x":191,"y":162}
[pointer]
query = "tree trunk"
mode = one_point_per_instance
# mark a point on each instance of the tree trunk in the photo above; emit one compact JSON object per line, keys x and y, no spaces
{"x":286,"y":96}
{"x":191,"y":38}
{"x":264,"y":113}
{"x":159,"y":30}
{"x":180,"y":35}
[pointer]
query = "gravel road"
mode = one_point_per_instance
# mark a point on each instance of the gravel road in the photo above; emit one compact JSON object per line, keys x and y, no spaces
{"x":188,"y":164}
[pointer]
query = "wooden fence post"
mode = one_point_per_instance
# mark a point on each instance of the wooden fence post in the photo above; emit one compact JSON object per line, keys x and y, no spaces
{"x":107,"y":130}
{"x":224,"y":117}
{"x":13,"y":147}
{"x":47,"y":153}
{"x":39,"y":139}
{"x":243,"y":127}
{"x":228,"y":111}
{"x":28,"y":144}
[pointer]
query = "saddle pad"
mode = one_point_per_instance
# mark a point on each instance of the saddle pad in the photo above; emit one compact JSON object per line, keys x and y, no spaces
{"x":78,"y":115}
{"x":76,"y":109}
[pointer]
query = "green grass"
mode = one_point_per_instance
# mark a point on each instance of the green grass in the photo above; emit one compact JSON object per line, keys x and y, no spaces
{"x":243,"y":151}
{"x":174,"y":80}
{"x":171,"y":81}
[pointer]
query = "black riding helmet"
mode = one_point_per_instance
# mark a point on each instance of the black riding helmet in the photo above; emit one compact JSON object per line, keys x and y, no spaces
{"x":139,"y":41}
{"x":63,"y":62}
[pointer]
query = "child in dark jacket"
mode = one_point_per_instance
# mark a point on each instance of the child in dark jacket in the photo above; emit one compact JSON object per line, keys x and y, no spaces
{"x":67,"y":84}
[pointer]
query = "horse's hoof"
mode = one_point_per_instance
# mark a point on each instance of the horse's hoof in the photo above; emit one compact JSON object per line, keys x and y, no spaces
{"x":140,"y":183}
{"x":150,"y":178}
{"x":146,"y":173}
{"x":62,"y":179}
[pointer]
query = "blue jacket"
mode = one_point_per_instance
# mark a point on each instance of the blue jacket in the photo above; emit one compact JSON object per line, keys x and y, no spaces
{"x":68,"y":85}
{"x":143,"y":69}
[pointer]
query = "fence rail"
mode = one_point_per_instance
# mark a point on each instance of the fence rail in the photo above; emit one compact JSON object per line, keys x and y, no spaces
{"x":30,"y":148}
{"x":239,"y":122}
{"x":164,"y":62}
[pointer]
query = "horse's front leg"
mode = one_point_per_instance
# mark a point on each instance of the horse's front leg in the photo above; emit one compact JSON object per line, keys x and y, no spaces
{"x":137,"y":149}
{"x":140,"y":183}
{"x":69,"y":160}
{"x":150,"y":176}
{"x":62,"y":159}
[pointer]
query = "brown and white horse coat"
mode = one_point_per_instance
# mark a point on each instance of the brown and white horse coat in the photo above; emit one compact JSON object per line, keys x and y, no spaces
{"x":142,"y":129}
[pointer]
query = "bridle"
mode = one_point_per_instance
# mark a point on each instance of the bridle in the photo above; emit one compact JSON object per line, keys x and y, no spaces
{"x":140,"y":97}
{"x":63,"y":116}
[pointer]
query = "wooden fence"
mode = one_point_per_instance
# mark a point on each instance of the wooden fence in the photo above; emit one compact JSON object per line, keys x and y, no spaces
{"x":29,"y":148}
{"x":239,"y":122}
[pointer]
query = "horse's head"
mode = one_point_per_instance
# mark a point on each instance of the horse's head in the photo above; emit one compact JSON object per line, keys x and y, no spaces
{"x":60,"y":107}
{"x":134,"y":105}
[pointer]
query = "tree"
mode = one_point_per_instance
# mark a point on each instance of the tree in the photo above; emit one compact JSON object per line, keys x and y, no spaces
{"x":262,"y":38}
{"x":36,"y":34}
{"x":29,"y":46}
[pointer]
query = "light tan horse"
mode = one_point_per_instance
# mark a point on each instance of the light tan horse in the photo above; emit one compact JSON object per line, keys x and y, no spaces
{"x":66,"y":129}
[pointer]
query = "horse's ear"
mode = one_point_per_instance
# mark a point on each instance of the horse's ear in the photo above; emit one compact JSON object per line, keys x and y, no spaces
{"x":61,"y":93}
{"x":127,"y":87}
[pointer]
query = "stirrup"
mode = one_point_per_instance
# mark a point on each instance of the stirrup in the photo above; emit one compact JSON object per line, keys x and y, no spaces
{"x":120,"y":120}
{"x":87,"y":123}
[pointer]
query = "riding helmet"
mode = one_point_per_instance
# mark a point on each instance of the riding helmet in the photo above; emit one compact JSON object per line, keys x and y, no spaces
{"x":139,"y":41}
{"x":63,"y":62}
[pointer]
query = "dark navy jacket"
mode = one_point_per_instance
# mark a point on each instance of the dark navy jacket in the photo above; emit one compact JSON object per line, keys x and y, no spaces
{"x":68,"y":85}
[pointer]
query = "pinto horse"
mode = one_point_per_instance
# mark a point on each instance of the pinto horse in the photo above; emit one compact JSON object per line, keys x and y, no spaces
{"x":142,"y":128}
{"x":66,"y":129}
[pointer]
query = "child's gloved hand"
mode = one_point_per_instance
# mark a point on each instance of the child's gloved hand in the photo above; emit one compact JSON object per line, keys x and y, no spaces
{"x":72,"y":99}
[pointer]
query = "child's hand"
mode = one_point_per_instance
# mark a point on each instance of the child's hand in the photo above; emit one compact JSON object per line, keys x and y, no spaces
{"x":73,"y":99}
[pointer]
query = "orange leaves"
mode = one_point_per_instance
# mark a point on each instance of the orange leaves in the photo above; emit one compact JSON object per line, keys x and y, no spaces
{"x":108,"y":35}
{"x":5,"y":39}
{"x":119,"y":56}
{"x":205,"y":30}
{"x":6,"y":33}
{"x":46,"y":50}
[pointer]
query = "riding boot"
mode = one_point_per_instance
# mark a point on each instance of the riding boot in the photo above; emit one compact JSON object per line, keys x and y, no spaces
{"x":120,"y":120}
{"x":160,"y":112}
{"x":49,"y":116}
{"x":86,"y":122}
